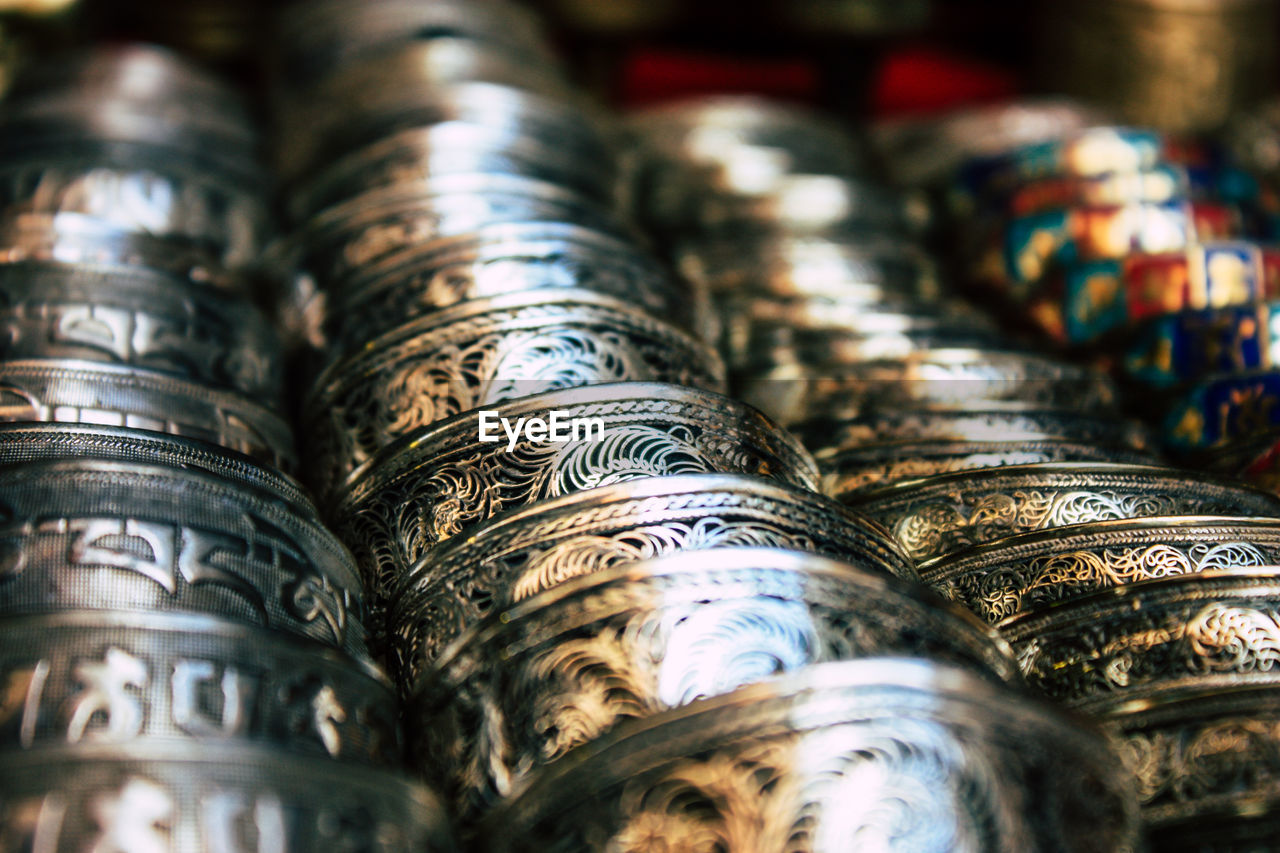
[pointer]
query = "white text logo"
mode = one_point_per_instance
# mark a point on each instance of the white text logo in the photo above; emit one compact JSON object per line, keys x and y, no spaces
{"x":559,"y":428}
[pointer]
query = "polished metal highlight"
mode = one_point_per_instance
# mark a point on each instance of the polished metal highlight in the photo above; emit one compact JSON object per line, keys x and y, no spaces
{"x":937,"y":515}
{"x":73,"y":391}
{"x":92,"y":678}
{"x":529,"y":550}
{"x":1031,"y":571}
{"x":484,"y":352}
{"x":528,"y":684}
{"x":499,"y":259}
{"x":900,"y":755}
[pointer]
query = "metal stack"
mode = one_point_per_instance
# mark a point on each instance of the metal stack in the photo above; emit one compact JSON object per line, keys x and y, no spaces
{"x":1144,"y":595}
{"x":654,"y":630}
{"x":184,"y":663}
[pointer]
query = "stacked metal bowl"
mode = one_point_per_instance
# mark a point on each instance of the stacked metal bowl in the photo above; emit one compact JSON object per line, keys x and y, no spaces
{"x":1143,"y":595}
{"x":184,"y":661}
{"x":619,"y":611}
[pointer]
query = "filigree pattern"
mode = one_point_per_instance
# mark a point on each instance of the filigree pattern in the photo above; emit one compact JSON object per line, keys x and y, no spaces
{"x":910,"y":775}
{"x":407,"y":505}
{"x":1161,"y":639}
{"x":488,"y":356}
{"x":629,"y":647}
{"x":999,"y":589}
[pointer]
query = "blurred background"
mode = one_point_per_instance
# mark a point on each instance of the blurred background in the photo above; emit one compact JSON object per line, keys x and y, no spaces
{"x":1175,"y":64}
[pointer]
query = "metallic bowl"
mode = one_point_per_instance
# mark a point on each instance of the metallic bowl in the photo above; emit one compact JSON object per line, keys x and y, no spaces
{"x":1206,"y":764}
{"x":441,"y":480}
{"x":55,"y":442}
{"x":201,"y":798}
{"x":893,"y":755}
{"x":853,"y":469}
{"x":1028,"y":572}
{"x":445,"y":148}
{"x":148,"y":679}
{"x":484,"y":352}
{"x":529,"y":550}
{"x":527,"y":684}
{"x":993,"y":422}
{"x":342,"y":240}
{"x":94,"y":535}
{"x":71,"y":391}
{"x":1214,"y":630}
{"x":133,"y":316}
{"x":507,"y":258}
{"x":938,"y":515}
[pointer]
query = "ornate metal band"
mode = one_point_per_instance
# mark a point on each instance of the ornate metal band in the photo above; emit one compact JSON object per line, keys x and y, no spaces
{"x":77,"y":238}
{"x":1203,"y":759}
{"x":526,"y":685}
{"x":415,"y":145}
{"x":1022,"y":573}
{"x":207,"y":800}
{"x":941,"y":761}
{"x":848,"y":471}
{"x":1010,"y":422}
{"x":1213,"y":630}
{"x":945,"y":513}
{"x":134,"y":316}
{"x":342,"y":240}
{"x":501,"y":259}
{"x":69,"y":391}
{"x":486,"y":352}
{"x":32,"y":442}
{"x":85,"y":534}
{"x":529,"y":550}
{"x":961,"y":377}
{"x":111,"y":678}
{"x":438,"y":481}
{"x":204,"y":209}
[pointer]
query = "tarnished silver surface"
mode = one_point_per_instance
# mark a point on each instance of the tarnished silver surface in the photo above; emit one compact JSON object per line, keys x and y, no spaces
{"x":1207,"y":764}
{"x":48,"y":442}
{"x":438,"y":481}
{"x":505,"y":258}
{"x":527,"y":684}
{"x":892,"y":755}
{"x":1211,"y":630}
{"x":93,"y":535}
{"x":484,"y":352}
{"x":1030,"y":571}
{"x":348,"y":237}
{"x":848,"y":471}
{"x":71,"y":391}
{"x":526,"y":551}
{"x":91,"y":678}
{"x":162,"y":798}
{"x":934,"y":516}
{"x":133,"y":316}
{"x":992,"y":422}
